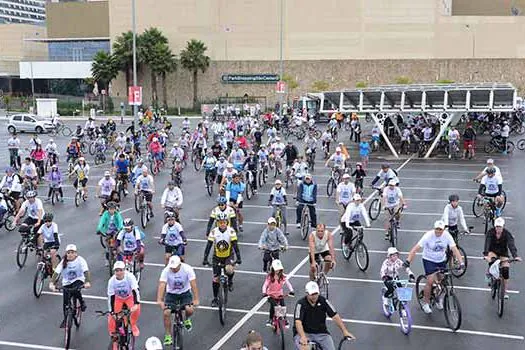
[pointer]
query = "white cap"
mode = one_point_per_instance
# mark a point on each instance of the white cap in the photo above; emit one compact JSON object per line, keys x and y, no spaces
{"x":392,"y":251}
{"x":338,"y":149}
{"x":174,"y":262}
{"x":229,"y":165}
{"x":308,"y":176}
{"x":119,"y":265}
{"x":71,"y":247}
{"x":107,"y":173}
{"x":277,"y":265}
{"x":439,"y":224}
{"x":356,"y":197}
{"x":392,"y":182}
{"x":153,"y":343}
{"x":271,"y":220}
{"x":499,"y":222}
{"x":278,"y":182}
{"x":346,"y":176}
{"x":490,"y":161}
{"x":312,"y":288}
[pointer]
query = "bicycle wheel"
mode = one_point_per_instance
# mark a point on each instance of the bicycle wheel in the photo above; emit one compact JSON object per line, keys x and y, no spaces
{"x":521,"y":144}
{"x":260,"y":179}
{"x":323,"y":285}
{"x":92,"y":149}
{"x":144,"y":217}
{"x":393,"y":234}
{"x":222,"y":305}
{"x":209,"y":185}
{"x":197,"y":163}
{"x":494,"y":288}
{"x":420,"y":287}
{"x":488,"y":221}
{"x":138,"y":202}
{"x":504,"y":199}
{"x":489,"y":148}
{"x":78,"y":313}
{"x":282,"y":327}
{"x":330,"y":187}
{"x":452,"y":311}
{"x":276,"y":171}
{"x":265,"y":175}
{"x":66,"y":131}
{"x":361,"y":256}
{"x":21,"y":253}
{"x":477,"y":206}
{"x":137,"y":271}
{"x":178,"y":343}
{"x":374,"y":209}
{"x":405,"y":318}
{"x":102,"y":241}
{"x":305,"y":223}
{"x":346,"y":248}
{"x":38,"y":282}
{"x":510,"y":147}
{"x":10,"y":222}
{"x":78,"y":198}
{"x":67,"y":330}
{"x":111,"y":262}
{"x":501,"y":299}
{"x":454,"y":265}
{"x":248,"y":190}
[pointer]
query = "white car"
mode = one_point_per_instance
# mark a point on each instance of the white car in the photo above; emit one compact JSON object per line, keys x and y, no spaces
{"x":28,"y":123}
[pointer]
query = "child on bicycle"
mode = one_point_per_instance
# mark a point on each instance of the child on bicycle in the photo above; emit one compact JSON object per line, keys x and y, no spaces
{"x":390,"y":273}
{"x":273,"y":288}
{"x":360,"y":175}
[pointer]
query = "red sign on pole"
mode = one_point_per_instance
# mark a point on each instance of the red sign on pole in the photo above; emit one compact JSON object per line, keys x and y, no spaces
{"x":135,"y":95}
{"x":280,"y":87}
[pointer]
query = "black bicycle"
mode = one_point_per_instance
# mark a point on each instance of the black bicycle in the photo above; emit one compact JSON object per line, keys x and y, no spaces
{"x":73,"y":314}
{"x":375,"y":206}
{"x":222,"y":296}
{"x":44,"y":269}
{"x":343,"y":344}
{"x":348,"y":247}
{"x":453,"y":264}
{"x":178,"y":325}
{"x":122,"y":338}
{"x":27,"y":243}
{"x":393,"y":225}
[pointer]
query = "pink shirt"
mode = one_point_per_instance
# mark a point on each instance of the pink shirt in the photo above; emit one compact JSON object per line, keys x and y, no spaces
{"x":275,"y":289}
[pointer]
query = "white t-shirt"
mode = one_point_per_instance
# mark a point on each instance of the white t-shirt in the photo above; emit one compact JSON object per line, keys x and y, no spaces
{"x":392,"y":196}
{"x":123,"y":288}
{"x":345,"y":192}
{"x":178,"y":282}
{"x":106,"y":186}
{"x":491,"y":184}
{"x":145,"y":183}
{"x":74,"y":271}
{"x":31,"y":209}
{"x":435,"y":248}
{"x":173,"y":236}
{"x":128,"y":240}
{"x":48,"y":233}
{"x":278,"y":195}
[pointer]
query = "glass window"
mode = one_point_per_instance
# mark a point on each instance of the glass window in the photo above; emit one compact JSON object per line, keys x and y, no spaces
{"x":17,"y":118}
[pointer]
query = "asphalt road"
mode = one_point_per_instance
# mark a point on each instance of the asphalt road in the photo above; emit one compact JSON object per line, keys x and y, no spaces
{"x":30,"y":323}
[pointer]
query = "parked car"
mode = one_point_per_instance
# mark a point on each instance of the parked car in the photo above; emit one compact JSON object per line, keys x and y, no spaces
{"x":28,"y":123}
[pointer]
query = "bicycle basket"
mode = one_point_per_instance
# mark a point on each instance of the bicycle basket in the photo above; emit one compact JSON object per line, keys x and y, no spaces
{"x":280,"y":311}
{"x":404,"y":293}
{"x":494,"y":269}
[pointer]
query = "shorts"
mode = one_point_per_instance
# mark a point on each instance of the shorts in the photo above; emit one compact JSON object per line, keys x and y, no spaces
{"x":225,"y":261}
{"x":82,"y":182}
{"x":51,"y":245}
{"x":232,"y":201}
{"x":430,"y":267}
{"x":318,"y":256}
{"x":178,"y":250}
{"x":467,"y":144}
{"x":122,"y":176}
{"x":172,"y":299}
{"x":149,"y":195}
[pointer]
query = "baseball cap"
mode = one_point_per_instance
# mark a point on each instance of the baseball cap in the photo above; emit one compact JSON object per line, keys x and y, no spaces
{"x":119,"y":265}
{"x":312,"y":288}
{"x":272,"y":220}
{"x":346,"y":176}
{"x":499,"y":222}
{"x":174,"y":262}
{"x":490,"y":161}
{"x":356,"y":197}
{"x":71,"y":247}
{"x":392,"y":182}
{"x":107,"y":173}
{"x":277,"y":265}
{"x":308,"y":176}
{"x":392,"y":251}
{"x":439,"y":224}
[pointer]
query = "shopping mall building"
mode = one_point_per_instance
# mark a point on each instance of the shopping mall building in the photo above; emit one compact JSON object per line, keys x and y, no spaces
{"x":336,"y":42}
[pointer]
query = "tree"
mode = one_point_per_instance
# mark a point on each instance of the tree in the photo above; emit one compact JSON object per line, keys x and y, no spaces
{"x":193,"y":59}
{"x":123,"y":54}
{"x":320,"y":85}
{"x":152,"y":42}
{"x":360,"y":85}
{"x":104,"y":69}
{"x":165,"y":62}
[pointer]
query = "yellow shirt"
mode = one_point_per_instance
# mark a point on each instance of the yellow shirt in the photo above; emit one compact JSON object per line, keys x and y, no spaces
{"x":222,"y":241}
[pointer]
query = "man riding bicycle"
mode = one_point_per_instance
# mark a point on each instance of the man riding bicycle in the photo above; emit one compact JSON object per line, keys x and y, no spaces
{"x":173,"y":239}
{"x":122,"y":169}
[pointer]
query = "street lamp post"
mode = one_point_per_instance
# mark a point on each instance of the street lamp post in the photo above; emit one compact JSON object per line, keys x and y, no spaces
{"x":134,"y":29}
{"x":281,"y":63}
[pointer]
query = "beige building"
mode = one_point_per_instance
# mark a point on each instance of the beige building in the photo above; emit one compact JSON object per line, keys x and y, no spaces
{"x":336,"y":41}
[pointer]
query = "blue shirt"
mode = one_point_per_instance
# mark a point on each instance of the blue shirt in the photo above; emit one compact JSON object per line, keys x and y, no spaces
{"x":307,"y":193}
{"x":235,"y":189}
{"x":364,"y":149}
{"x":122,"y":166}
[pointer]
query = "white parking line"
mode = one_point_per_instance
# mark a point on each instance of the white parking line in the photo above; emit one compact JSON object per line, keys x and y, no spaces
{"x":29,"y":346}
{"x":365,"y":322}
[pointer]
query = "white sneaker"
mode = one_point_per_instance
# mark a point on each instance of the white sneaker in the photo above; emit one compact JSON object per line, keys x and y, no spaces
{"x":298,"y":225}
{"x":439,"y":303}
{"x":386,"y":301}
{"x":426,"y":308}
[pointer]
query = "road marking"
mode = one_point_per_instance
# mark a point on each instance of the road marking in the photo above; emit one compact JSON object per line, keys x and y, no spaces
{"x":252,"y":311}
{"x":126,"y":210}
{"x":366,"y":322}
{"x":29,"y":346}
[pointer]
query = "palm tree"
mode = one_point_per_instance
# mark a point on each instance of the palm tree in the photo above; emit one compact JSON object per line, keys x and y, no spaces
{"x":165,"y":62}
{"x":193,"y":59}
{"x":151,"y":40}
{"x":123,"y":54}
{"x":104,"y":68}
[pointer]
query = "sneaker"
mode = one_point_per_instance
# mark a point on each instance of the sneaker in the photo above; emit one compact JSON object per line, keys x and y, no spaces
{"x":168,"y":340}
{"x":151,"y":214}
{"x":106,"y":263}
{"x":426,"y":308}
{"x":286,"y":324}
{"x":269,"y":323}
{"x":240,"y":228}
{"x":386,"y":301}
{"x":449,"y":156}
{"x":506,"y":296}
{"x":230,"y":286}
{"x":187,"y":324}
{"x":439,"y":303}
{"x":135,"y":330}
{"x":63,"y":323}
{"x":287,"y":233}
{"x":47,"y":199}
{"x":254,"y":191}
{"x":126,"y":192}
{"x":83,"y":306}
{"x":387,"y":236}
{"x":298,"y":225}
{"x":488,"y":280}
{"x":214,"y":302}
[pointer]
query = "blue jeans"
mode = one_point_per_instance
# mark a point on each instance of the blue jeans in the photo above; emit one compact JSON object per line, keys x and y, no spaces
{"x":323,"y":339}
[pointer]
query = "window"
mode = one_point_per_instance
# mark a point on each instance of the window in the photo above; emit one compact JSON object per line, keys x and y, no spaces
{"x":17,"y":118}
{"x":29,"y":119}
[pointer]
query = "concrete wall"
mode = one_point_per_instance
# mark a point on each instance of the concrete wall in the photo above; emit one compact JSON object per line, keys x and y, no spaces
{"x":14,"y":48}
{"x":339,"y":74}
{"x":78,"y":19}
{"x":487,"y":7}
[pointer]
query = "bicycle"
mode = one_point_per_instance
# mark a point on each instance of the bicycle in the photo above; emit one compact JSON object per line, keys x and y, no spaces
{"x":197,"y":159}
{"x":121,"y":190}
{"x":262,"y":173}
{"x":333,"y":180}
{"x":375,"y":206}
{"x":393,"y":225}
{"x":27,"y":243}
{"x":315,"y":346}
{"x":176,"y":176}
{"x":442,"y":289}
{"x":107,"y":241}
{"x":453,"y":264}
{"x":278,"y":166}
{"x":100,"y":157}
{"x":400,"y":302}
{"x":80,"y":195}
{"x":279,"y":325}
{"x":73,"y":315}
{"x":310,"y":160}
{"x":178,"y":325}
{"x":61,"y":129}
{"x":355,"y":245}
{"x":320,"y":277}
{"x":8,"y":221}
{"x":520,"y":144}
{"x":222,"y":296}
{"x":249,"y":189}
{"x":288,"y":181}
{"x":496,"y":284}
{"x":55,"y":193}
{"x":141,"y":206}
{"x":305,"y":220}
{"x":280,"y":223}
{"x":209,"y":177}
{"x":133,"y":265}
{"x":496,"y":144}
{"x":155,"y":164}
{"x":122,"y":338}
{"x":44,"y":269}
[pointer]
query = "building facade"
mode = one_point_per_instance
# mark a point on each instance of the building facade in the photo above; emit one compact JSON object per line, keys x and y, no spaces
{"x":23,"y":11}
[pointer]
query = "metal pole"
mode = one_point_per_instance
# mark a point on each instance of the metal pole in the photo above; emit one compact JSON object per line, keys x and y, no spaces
{"x":281,"y":63}
{"x":134,"y":29}
{"x":32,"y":87}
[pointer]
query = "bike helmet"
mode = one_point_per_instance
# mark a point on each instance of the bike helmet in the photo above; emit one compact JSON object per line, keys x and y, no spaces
{"x":356,"y":197}
{"x":128,"y":222}
{"x":391,"y":251}
{"x":170,"y":215}
{"x":48,"y":217}
{"x":171,"y":183}
{"x":385,"y":166}
{"x":221,"y":200}
{"x":111,"y":205}
{"x":222,"y":217}
{"x":491,"y":171}
{"x":30,"y":194}
{"x":140,"y":160}
{"x":453,"y":197}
